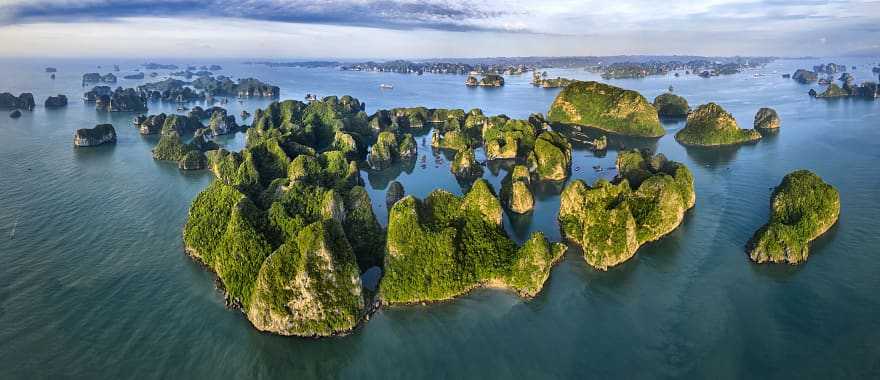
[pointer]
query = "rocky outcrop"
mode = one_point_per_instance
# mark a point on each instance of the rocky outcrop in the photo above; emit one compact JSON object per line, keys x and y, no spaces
{"x":491,"y":80}
{"x":803,"y":207}
{"x":515,"y":192}
{"x":15,"y":114}
{"x":100,"y":134}
{"x":387,"y":150}
{"x":607,"y":108}
{"x":152,"y":124}
{"x":550,"y":159}
{"x":122,"y":100}
{"x":23,"y":101}
{"x":766,"y":119}
{"x":611,"y":220}
{"x":671,"y":105}
{"x":97,"y":92}
{"x":804,"y":76}
{"x":465,"y":165}
{"x":711,"y":125}
{"x":56,"y":101}
{"x":221,"y":123}
{"x":90,"y":78}
{"x":193,"y":160}
{"x":394,"y":193}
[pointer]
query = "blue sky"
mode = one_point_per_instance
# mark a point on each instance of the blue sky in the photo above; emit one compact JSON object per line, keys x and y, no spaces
{"x":435,"y":28}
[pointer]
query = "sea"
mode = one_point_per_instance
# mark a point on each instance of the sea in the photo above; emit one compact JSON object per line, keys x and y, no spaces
{"x":94,"y":281}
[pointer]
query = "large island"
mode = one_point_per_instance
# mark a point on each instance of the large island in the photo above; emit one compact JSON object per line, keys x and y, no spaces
{"x":607,"y":108}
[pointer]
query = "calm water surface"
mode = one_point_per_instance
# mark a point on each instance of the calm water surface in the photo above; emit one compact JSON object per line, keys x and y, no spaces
{"x":95,"y":282}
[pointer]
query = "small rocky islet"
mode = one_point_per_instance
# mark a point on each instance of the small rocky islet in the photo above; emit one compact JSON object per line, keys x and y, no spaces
{"x":803,"y":207}
{"x":710,"y":125}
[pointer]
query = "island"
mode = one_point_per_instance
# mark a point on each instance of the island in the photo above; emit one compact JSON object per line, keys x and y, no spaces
{"x":516,"y":193}
{"x":135,"y":76}
{"x":488,"y":80}
{"x":23,"y":101}
{"x":99,"y":135}
{"x":711,"y":125}
{"x":766,"y":120}
{"x":611,"y":220}
{"x":804,"y":76}
{"x":607,"y":108}
{"x":541,"y":80}
{"x":15,"y":114}
{"x":56,"y":101}
{"x":444,"y":246}
{"x":287,"y":226}
{"x":803,"y":207}
{"x":671,"y":106}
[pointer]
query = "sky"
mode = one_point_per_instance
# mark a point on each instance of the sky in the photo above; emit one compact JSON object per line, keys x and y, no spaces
{"x":385,"y":29}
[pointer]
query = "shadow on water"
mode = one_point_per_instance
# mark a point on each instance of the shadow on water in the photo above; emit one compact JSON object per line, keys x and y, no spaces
{"x":520,"y":224}
{"x":379,"y":179}
{"x":712,"y":156}
{"x":93,"y":153}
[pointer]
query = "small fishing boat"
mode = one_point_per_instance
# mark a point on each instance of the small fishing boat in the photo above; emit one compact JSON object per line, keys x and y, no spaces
{"x":386,"y":86}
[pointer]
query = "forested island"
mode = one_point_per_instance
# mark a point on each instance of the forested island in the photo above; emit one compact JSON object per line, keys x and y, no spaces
{"x":803,"y":207}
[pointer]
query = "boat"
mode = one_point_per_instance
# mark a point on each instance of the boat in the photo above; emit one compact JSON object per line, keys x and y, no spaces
{"x":385,"y":86}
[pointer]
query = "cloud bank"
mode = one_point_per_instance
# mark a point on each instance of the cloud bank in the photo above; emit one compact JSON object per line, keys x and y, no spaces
{"x":551,"y":27}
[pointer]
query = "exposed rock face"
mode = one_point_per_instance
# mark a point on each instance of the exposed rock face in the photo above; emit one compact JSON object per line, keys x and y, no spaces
{"x":311,"y":287}
{"x":56,"y":101}
{"x":551,"y":157}
{"x":97,"y":92}
{"x":515,"y":192}
{"x":100,"y":134}
{"x":711,"y":125}
{"x":15,"y":114}
{"x":152,"y":124}
{"x":803,"y":207}
{"x":122,"y":100}
{"x":383,"y":151}
{"x":671,"y":105}
{"x":610,"y":221}
{"x":804,"y":76}
{"x":766,"y":119}
{"x":221,"y":123}
{"x":408,"y":148}
{"x":444,"y":246}
{"x":832,"y":91}
{"x":465,"y":165}
{"x":394,"y":193}
{"x":193,"y":160}
{"x":387,"y":150}
{"x":505,"y":138}
{"x":24,"y":101}
{"x":608,"y":108}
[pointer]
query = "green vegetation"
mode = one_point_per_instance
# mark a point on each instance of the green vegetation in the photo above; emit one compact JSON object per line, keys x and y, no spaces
{"x":832,"y":91}
{"x":711,"y":125}
{"x":170,"y":147}
{"x":610,"y":221}
{"x":506,"y":138}
{"x":515,"y":192}
{"x":465,"y":165}
{"x":551,"y":157}
{"x":286,"y":226}
{"x":605,"y":107}
{"x":766,"y":119}
{"x":671,"y":105}
{"x":803,"y":207}
{"x":445,"y":245}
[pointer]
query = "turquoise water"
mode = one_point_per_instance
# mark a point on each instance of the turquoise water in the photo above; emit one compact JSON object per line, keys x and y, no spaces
{"x":95,"y":283}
